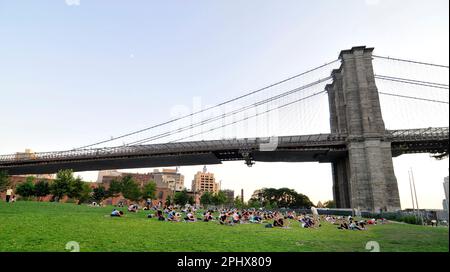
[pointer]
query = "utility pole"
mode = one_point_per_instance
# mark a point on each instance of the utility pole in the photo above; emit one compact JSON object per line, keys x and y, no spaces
{"x":412,"y":193}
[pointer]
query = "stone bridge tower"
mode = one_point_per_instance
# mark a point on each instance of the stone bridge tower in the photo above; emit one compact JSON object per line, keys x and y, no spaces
{"x":365,"y":178}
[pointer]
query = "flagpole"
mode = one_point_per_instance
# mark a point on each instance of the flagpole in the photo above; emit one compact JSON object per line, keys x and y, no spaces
{"x":415,"y":194}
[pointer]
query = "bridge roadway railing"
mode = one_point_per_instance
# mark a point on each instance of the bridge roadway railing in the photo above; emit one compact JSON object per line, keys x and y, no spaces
{"x":175,"y":148}
{"x":316,"y":140}
{"x":420,"y":134}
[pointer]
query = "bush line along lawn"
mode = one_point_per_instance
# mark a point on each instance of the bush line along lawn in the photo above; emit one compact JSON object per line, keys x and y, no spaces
{"x":42,"y":226}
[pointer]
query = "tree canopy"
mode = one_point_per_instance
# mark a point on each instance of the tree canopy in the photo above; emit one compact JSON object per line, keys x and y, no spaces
{"x":4,"y":181}
{"x":281,"y":198}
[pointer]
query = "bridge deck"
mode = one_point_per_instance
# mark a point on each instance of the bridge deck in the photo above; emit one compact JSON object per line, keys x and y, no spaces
{"x":300,"y":148}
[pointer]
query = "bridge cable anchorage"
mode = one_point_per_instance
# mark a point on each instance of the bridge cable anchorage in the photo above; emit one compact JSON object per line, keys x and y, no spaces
{"x":211,"y":107}
{"x":222,"y":116}
{"x":415,"y":98}
{"x":414,"y":82}
{"x":251,"y":116}
{"x":412,"y":61}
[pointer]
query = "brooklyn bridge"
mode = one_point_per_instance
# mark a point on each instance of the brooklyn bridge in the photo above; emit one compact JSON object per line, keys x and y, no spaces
{"x":358,"y":144}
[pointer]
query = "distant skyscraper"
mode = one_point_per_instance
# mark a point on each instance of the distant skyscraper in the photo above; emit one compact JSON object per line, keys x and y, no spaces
{"x":205,"y":182}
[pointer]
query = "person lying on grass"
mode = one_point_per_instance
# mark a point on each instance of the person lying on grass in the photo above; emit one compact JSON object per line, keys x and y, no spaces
{"x":133,"y":208}
{"x":116,"y":213}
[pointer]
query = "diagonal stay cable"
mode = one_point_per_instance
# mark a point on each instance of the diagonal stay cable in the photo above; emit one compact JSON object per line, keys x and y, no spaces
{"x":415,"y":98}
{"x":210,"y":108}
{"x":413,"y":82}
{"x":411,"y":61}
{"x":218,"y":117}
{"x":249,"y":117}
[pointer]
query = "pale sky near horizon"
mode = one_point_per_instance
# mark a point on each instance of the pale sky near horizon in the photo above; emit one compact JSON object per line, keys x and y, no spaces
{"x":75,"y":72}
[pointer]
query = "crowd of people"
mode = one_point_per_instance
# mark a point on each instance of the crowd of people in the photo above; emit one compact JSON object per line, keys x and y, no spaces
{"x":230,"y":217}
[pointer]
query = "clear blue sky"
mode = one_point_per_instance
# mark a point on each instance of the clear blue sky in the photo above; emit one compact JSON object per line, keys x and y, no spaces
{"x":74,"y":74}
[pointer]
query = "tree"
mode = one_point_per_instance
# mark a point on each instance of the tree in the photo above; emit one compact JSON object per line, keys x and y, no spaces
{"x":182,"y":198}
{"x":41,"y":188}
{"x":329,"y":204}
{"x":168,"y":201}
{"x":75,"y":188}
{"x":115,"y":188}
{"x":61,"y":185}
{"x":149,"y":191}
{"x":219,"y":199}
{"x":26,"y":189}
{"x":284,"y":197}
{"x":238,"y":202}
{"x":254,"y":203}
{"x":4,"y":181}
{"x":86,"y":193}
{"x":130,"y":189}
{"x":206,"y":198}
{"x":99,"y":193}
{"x":302,"y":201}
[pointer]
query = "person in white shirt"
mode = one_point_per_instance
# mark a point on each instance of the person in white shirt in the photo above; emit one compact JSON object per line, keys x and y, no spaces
{"x":8,"y":194}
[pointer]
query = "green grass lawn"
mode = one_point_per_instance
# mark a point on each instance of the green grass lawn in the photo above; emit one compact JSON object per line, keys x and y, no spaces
{"x":33,"y":226}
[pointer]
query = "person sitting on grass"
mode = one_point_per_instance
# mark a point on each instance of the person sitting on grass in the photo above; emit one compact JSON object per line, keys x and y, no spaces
{"x":207,"y":217}
{"x":223,"y":218}
{"x":236,"y":218}
{"x":190,"y":217}
{"x":177,"y":217}
{"x":278,"y":222}
{"x":116,"y":213}
{"x":170,"y":216}
{"x":343,"y":225}
{"x":354,"y":226}
{"x":160,"y":216}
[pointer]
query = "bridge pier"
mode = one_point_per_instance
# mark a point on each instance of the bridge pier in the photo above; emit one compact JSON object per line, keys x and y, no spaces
{"x":364,"y":179}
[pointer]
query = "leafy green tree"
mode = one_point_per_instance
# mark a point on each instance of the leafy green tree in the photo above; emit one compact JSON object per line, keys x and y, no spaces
{"x":41,"y":188}
{"x":329,"y":204}
{"x":219,"y":199}
{"x":168,"y":201}
{"x":61,"y":185}
{"x":26,"y":189}
{"x":99,"y":193}
{"x":149,"y":191}
{"x":85,"y":194}
{"x":302,"y":201}
{"x":254,"y":203}
{"x":284,"y":197}
{"x":75,"y":188}
{"x":130,"y":189}
{"x":238,"y":202}
{"x":4,"y":181}
{"x":182,"y":198}
{"x":115,"y":188}
{"x":206,"y":198}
